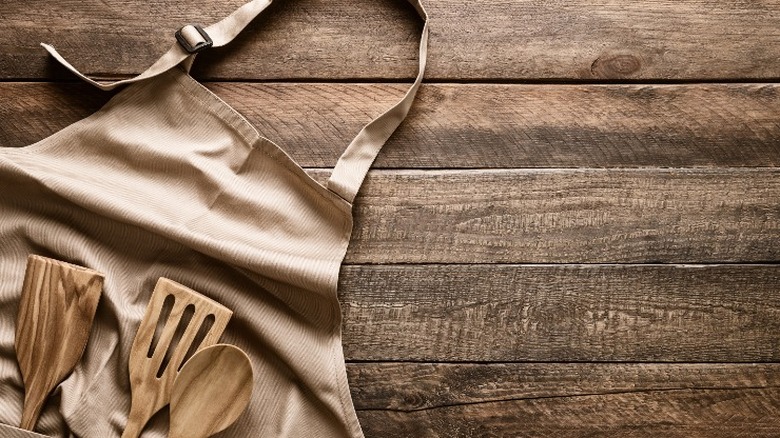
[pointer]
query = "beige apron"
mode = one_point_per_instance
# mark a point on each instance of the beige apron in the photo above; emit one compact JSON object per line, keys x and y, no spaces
{"x":167,"y":180}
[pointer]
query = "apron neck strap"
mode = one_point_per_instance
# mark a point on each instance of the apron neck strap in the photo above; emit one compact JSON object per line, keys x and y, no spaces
{"x":220,"y":33}
{"x":353,"y":165}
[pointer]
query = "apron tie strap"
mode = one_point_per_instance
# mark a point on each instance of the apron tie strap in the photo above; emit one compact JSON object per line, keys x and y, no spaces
{"x":220,"y":33}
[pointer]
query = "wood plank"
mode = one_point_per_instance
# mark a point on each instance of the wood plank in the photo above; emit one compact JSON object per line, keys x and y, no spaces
{"x":561,"y":313}
{"x":567,"y":216}
{"x":567,"y":400}
{"x":32,"y":111}
{"x":472,"y":126}
{"x":344,"y":39}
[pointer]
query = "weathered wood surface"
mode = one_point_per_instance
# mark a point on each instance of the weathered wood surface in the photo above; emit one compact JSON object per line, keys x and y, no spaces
{"x":567,"y":400}
{"x":341,"y":39}
{"x":559,"y":313}
{"x":472,"y":126}
{"x":567,"y":216}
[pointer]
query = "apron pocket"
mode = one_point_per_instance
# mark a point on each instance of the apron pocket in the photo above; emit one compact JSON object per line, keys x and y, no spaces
{"x":7,"y":431}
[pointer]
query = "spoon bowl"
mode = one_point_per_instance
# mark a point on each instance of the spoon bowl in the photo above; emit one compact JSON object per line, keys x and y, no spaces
{"x":211,"y":391}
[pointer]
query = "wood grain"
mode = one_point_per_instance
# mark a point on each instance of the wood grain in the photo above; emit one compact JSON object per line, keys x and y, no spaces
{"x":472,"y":126}
{"x":561,"y":313}
{"x":56,"y":311}
{"x":151,"y":382}
{"x":211,"y":391}
{"x":340,"y":39}
{"x":567,"y":216}
{"x":567,"y":400}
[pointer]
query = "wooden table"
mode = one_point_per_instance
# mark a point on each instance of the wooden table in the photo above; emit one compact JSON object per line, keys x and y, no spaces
{"x":576,"y":232}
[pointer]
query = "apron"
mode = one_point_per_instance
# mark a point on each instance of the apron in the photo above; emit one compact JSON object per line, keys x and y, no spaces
{"x":167,"y":180}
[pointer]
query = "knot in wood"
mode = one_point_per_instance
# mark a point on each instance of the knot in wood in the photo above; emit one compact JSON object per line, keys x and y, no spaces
{"x":615,"y":66}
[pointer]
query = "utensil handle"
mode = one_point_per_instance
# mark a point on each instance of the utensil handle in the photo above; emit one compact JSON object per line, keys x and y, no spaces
{"x":32,"y":409}
{"x":56,"y":311}
{"x":132,"y":429}
{"x":139,"y":416}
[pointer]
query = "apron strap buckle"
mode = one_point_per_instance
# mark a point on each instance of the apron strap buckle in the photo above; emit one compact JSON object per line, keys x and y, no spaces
{"x":193,"y":38}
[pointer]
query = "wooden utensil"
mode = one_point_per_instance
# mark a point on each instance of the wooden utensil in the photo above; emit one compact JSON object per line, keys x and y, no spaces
{"x":55,"y":318}
{"x":154,"y":364}
{"x":210,"y":393}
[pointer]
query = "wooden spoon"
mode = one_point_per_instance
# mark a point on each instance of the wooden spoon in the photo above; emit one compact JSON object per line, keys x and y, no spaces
{"x":154,"y":366}
{"x":55,"y":318}
{"x":211,"y":391}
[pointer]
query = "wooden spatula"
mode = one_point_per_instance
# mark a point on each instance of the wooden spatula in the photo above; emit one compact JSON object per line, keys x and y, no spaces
{"x":55,"y":318}
{"x":211,"y":391}
{"x":154,"y":363}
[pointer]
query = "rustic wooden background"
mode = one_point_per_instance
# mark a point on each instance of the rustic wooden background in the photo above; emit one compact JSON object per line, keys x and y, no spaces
{"x":577,"y":231}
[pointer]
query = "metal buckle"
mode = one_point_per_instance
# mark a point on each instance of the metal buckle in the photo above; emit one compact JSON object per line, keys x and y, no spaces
{"x":205,"y":44}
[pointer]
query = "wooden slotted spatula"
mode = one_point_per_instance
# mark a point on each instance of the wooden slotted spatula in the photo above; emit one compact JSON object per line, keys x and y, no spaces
{"x":155,"y":360}
{"x":55,"y":318}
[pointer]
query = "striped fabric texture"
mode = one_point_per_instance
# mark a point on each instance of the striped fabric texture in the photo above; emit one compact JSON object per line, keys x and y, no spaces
{"x":167,"y":180}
